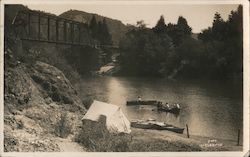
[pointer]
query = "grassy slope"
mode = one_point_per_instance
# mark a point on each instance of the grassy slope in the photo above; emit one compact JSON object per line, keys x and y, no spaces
{"x":154,"y":140}
{"x":34,"y":107}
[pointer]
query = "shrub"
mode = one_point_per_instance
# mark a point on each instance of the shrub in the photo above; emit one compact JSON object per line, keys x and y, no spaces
{"x":63,"y":127}
{"x":10,"y":142}
{"x":100,"y":140}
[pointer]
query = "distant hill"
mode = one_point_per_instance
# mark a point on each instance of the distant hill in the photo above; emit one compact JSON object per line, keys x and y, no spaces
{"x":116,"y":28}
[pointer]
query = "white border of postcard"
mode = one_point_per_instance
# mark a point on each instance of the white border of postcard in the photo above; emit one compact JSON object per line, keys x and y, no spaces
{"x":246,"y":75}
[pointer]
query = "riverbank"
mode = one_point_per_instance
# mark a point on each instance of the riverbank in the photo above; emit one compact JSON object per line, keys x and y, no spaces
{"x":145,"y":140}
{"x":162,"y":140}
{"x":41,"y":109}
{"x":32,"y":125}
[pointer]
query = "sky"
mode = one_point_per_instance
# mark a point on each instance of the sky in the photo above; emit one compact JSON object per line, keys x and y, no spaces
{"x":199,"y":16}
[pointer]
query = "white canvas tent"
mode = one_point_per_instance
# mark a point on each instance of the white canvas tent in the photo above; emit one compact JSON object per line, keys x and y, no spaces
{"x":116,"y":121}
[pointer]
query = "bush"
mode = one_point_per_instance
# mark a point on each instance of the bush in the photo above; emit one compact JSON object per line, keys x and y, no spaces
{"x":10,"y":142}
{"x":100,"y":140}
{"x":63,"y":127}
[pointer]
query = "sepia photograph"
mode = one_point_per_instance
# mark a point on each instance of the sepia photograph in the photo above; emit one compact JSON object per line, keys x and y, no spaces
{"x":125,"y":76}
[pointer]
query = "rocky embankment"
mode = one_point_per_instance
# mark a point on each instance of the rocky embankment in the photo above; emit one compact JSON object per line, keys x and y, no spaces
{"x":41,"y":108}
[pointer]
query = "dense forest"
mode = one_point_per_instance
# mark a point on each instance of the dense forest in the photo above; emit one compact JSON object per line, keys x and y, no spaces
{"x":169,"y":50}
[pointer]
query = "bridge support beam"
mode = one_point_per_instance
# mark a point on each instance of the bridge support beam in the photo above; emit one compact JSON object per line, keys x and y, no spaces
{"x":56,"y":30}
{"x":48,"y":33}
{"x":39,"y":25}
{"x":29,"y":31}
{"x":72,"y":32}
{"x":65,"y":31}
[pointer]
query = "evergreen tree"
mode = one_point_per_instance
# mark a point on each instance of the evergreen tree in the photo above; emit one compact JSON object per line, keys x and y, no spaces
{"x":183,"y":27}
{"x":160,"y":26}
{"x":93,"y":26}
{"x":219,"y":27}
{"x":224,"y":44}
{"x":179,"y":31}
{"x":235,"y":22}
{"x":100,"y":31}
{"x":107,"y":38}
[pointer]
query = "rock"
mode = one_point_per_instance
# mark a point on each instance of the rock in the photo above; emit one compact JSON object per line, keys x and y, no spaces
{"x":17,"y":86}
{"x":48,"y":100}
{"x":53,"y":82}
{"x":34,"y":98}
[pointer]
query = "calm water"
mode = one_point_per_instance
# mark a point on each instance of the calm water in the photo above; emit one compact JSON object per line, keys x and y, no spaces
{"x":210,"y":108}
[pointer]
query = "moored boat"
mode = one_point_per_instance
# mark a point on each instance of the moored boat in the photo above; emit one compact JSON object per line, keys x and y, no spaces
{"x":156,"y":126}
{"x":143,"y":102}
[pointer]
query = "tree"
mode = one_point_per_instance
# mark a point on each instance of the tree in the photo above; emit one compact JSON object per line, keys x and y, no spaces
{"x":179,"y":31}
{"x":160,"y":26}
{"x":144,"y":53}
{"x":235,"y":22}
{"x":206,"y":35}
{"x":93,"y":26}
{"x":224,"y":43}
{"x":100,"y":31}
{"x":183,"y":26}
{"x":106,"y":37}
{"x":219,"y":27}
{"x":141,"y":24}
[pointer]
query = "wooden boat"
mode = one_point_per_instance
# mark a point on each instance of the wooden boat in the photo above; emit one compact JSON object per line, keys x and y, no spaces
{"x":160,"y":106}
{"x":172,"y":109}
{"x":143,"y":102}
{"x":156,"y":126}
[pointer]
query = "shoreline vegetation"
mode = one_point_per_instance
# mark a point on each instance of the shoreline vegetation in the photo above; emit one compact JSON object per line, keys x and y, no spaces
{"x":180,"y":142}
{"x":43,"y":108}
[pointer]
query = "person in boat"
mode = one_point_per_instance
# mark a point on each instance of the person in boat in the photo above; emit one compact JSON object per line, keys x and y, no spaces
{"x":159,"y":104}
{"x":178,"y":106}
{"x":139,"y":99}
{"x":167,"y":105}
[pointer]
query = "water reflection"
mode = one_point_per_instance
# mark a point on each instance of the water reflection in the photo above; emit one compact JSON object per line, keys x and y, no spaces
{"x":209,"y":108}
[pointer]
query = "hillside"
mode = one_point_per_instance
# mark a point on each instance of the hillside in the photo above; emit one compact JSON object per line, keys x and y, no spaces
{"x":116,"y":28}
{"x":42,"y":109}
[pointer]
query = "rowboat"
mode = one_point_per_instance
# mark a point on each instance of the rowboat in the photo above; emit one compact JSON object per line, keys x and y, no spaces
{"x":174,"y":110}
{"x":155,"y":126}
{"x":143,"y":102}
{"x":160,"y":106}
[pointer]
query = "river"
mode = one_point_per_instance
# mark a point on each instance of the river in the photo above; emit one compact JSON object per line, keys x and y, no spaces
{"x":210,"y":108}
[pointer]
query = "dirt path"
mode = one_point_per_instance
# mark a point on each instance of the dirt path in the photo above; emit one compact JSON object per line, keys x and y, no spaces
{"x":66,"y":145}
